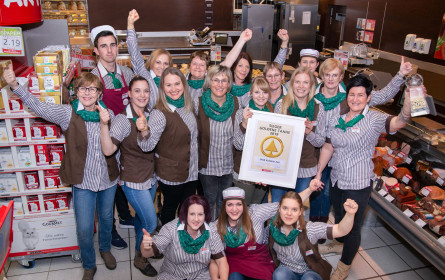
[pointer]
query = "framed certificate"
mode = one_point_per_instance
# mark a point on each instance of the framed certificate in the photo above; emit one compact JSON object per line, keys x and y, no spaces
{"x":272,"y":149}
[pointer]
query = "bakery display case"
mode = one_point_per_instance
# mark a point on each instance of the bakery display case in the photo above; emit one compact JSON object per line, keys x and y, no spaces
{"x":410,"y":192}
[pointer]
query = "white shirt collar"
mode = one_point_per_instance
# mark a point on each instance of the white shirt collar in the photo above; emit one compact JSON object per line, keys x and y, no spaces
{"x":182,"y":226}
{"x":103,"y":72}
{"x":172,"y":107}
{"x":365,"y":111}
{"x":129,"y":112}
{"x":80,"y":107}
{"x":153,"y":75}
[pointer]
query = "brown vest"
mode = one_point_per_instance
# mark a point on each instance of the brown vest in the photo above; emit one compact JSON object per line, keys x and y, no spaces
{"x":73,"y":163}
{"x":314,"y":260}
{"x":344,"y":107}
{"x":173,"y":149}
{"x":308,"y":151}
{"x":136,"y":166}
{"x":204,"y":133}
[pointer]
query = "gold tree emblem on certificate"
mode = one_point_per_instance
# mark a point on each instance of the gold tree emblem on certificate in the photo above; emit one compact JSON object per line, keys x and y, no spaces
{"x":271,"y":149}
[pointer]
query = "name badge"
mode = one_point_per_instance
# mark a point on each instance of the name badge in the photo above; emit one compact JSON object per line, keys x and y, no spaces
{"x":204,"y":250}
{"x":309,"y":252}
{"x":250,"y":248}
{"x":356,"y":129}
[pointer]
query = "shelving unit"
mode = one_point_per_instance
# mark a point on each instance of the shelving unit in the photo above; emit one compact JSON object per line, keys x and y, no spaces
{"x":44,"y":204}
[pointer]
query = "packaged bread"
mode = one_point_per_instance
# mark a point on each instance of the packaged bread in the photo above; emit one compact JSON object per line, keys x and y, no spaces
{"x":72,"y":6}
{"x":429,"y":205}
{"x":433,"y":192}
{"x":81,"y":6}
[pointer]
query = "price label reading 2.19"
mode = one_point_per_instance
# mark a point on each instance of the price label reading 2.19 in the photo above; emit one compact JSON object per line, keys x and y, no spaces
{"x":11,"y":41}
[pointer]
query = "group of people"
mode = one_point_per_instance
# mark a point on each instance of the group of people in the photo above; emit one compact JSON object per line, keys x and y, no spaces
{"x":132,"y":131}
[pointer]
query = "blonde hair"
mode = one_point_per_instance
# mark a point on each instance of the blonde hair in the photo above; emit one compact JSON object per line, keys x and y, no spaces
{"x":161,"y":103}
{"x":154,"y":55}
{"x":329,"y":65}
{"x":261,"y":83}
{"x":272,"y":65}
{"x":289,"y":98}
{"x":214,"y":71}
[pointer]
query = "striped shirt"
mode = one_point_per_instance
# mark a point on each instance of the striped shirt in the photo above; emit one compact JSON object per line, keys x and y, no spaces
{"x":157,"y":123}
{"x":95,"y":177}
{"x":290,"y":256}
{"x":194,"y":93}
{"x":177,"y":263}
{"x":120,"y":129}
{"x":138,"y":64}
{"x":108,"y":80}
{"x":281,"y":56}
{"x":315,"y":138}
{"x":259,"y":213}
{"x":220,"y":149}
{"x":352,"y":166}
{"x":238,"y":136}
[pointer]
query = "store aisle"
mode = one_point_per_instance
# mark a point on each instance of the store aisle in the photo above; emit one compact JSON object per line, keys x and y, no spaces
{"x":382,"y":255}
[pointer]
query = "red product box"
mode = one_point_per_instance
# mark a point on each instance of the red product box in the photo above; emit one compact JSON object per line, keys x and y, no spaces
{"x":62,"y":201}
{"x":15,"y":105}
{"x":42,"y":155}
{"x":50,"y":202}
{"x":19,"y":132}
{"x":56,"y":154}
{"x":52,"y":179}
{"x":31,"y":180}
{"x":33,"y":204}
{"x":51,"y":131}
{"x":37,"y":131}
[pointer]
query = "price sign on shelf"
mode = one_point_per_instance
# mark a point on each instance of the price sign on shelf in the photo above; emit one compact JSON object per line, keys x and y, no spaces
{"x":11,"y":41}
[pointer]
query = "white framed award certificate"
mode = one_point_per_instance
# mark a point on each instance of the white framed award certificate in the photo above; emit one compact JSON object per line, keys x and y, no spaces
{"x":272,"y":149}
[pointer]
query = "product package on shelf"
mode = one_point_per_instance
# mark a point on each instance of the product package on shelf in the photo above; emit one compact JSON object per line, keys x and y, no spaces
{"x":8,"y":183}
{"x":3,"y":64}
{"x":85,"y":56}
{"x":52,"y":179}
{"x":31,"y":180}
{"x":18,"y":205}
{"x":24,"y":157}
{"x":3,"y":133}
{"x":6,"y":160}
{"x":33,"y":204}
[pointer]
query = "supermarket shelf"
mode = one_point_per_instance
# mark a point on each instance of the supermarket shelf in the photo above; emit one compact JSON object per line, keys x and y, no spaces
{"x":66,"y":11}
{"x":18,"y":115}
{"x":31,"y":168}
{"x":78,"y":24}
{"x":37,"y":192}
{"x":45,"y":214}
{"x":34,"y":142}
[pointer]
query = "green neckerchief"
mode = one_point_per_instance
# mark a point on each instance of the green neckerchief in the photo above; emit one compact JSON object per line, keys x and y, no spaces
{"x":196,"y":84}
{"x":157,"y":81}
{"x":280,"y":237}
{"x":332,"y":102}
{"x":178,"y":103}
{"x":116,"y":83}
{"x":210,"y":106}
{"x":341,"y":122}
{"x":253,"y":106}
{"x":240,"y":90}
{"x":190,"y":245}
{"x":233,"y":240}
{"x":276,"y":101}
{"x":88,"y":116}
{"x":306,"y":113}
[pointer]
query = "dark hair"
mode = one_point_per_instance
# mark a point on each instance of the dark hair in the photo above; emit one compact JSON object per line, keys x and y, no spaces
{"x":86,"y":79}
{"x":201,"y":55}
{"x":244,"y":220}
{"x":103,"y":34}
{"x":247,"y":57}
{"x":135,"y":79}
{"x":359,"y":81}
{"x":194,"y":199}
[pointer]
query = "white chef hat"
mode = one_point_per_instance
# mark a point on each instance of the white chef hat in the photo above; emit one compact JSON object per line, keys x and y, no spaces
{"x":98,"y":29}
{"x":234,"y":193}
{"x":309,"y":52}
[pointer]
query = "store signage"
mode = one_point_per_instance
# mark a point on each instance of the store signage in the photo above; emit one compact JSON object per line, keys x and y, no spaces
{"x":11,"y":41}
{"x":14,"y":12}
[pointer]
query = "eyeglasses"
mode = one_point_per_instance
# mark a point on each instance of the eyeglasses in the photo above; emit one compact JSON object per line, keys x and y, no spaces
{"x":273,"y":77}
{"x":89,"y":89}
{"x":333,"y":76}
{"x":216,"y":81}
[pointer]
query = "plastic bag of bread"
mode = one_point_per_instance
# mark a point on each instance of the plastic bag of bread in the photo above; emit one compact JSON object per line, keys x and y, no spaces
{"x":429,"y":205}
{"x":81,"y":6}
{"x":61,"y":6}
{"x":433,"y":192}
{"x":47,"y":5}
{"x":72,"y":6}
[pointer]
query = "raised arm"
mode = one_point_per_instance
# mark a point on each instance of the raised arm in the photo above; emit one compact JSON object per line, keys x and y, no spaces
{"x":245,"y":36}
{"x":344,"y":227}
{"x":387,"y":93}
{"x":282,"y":53}
{"x":403,"y":118}
{"x":315,"y":185}
{"x":137,"y":60}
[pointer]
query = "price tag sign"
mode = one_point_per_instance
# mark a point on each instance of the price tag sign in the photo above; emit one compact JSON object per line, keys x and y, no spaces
{"x":439,"y":181}
{"x":441,"y":240}
{"x":406,"y":179}
{"x":425,"y":191}
{"x":401,"y":154}
{"x":389,"y":150}
{"x":408,"y":213}
{"x":420,"y":223}
{"x":382,"y":192}
{"x":408,"y":159}
{"x":392,"y":169}
{"x":389,"y":198}
{"x":11,"y":41}
{"x":429,"y":172}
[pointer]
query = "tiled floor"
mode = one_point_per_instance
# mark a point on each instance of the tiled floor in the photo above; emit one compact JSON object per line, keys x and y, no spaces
{"x":382,"y":255}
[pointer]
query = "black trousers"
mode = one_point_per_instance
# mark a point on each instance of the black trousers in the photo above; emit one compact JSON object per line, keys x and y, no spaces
{"x":173,"y":198}
{"x":353,"y":239}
